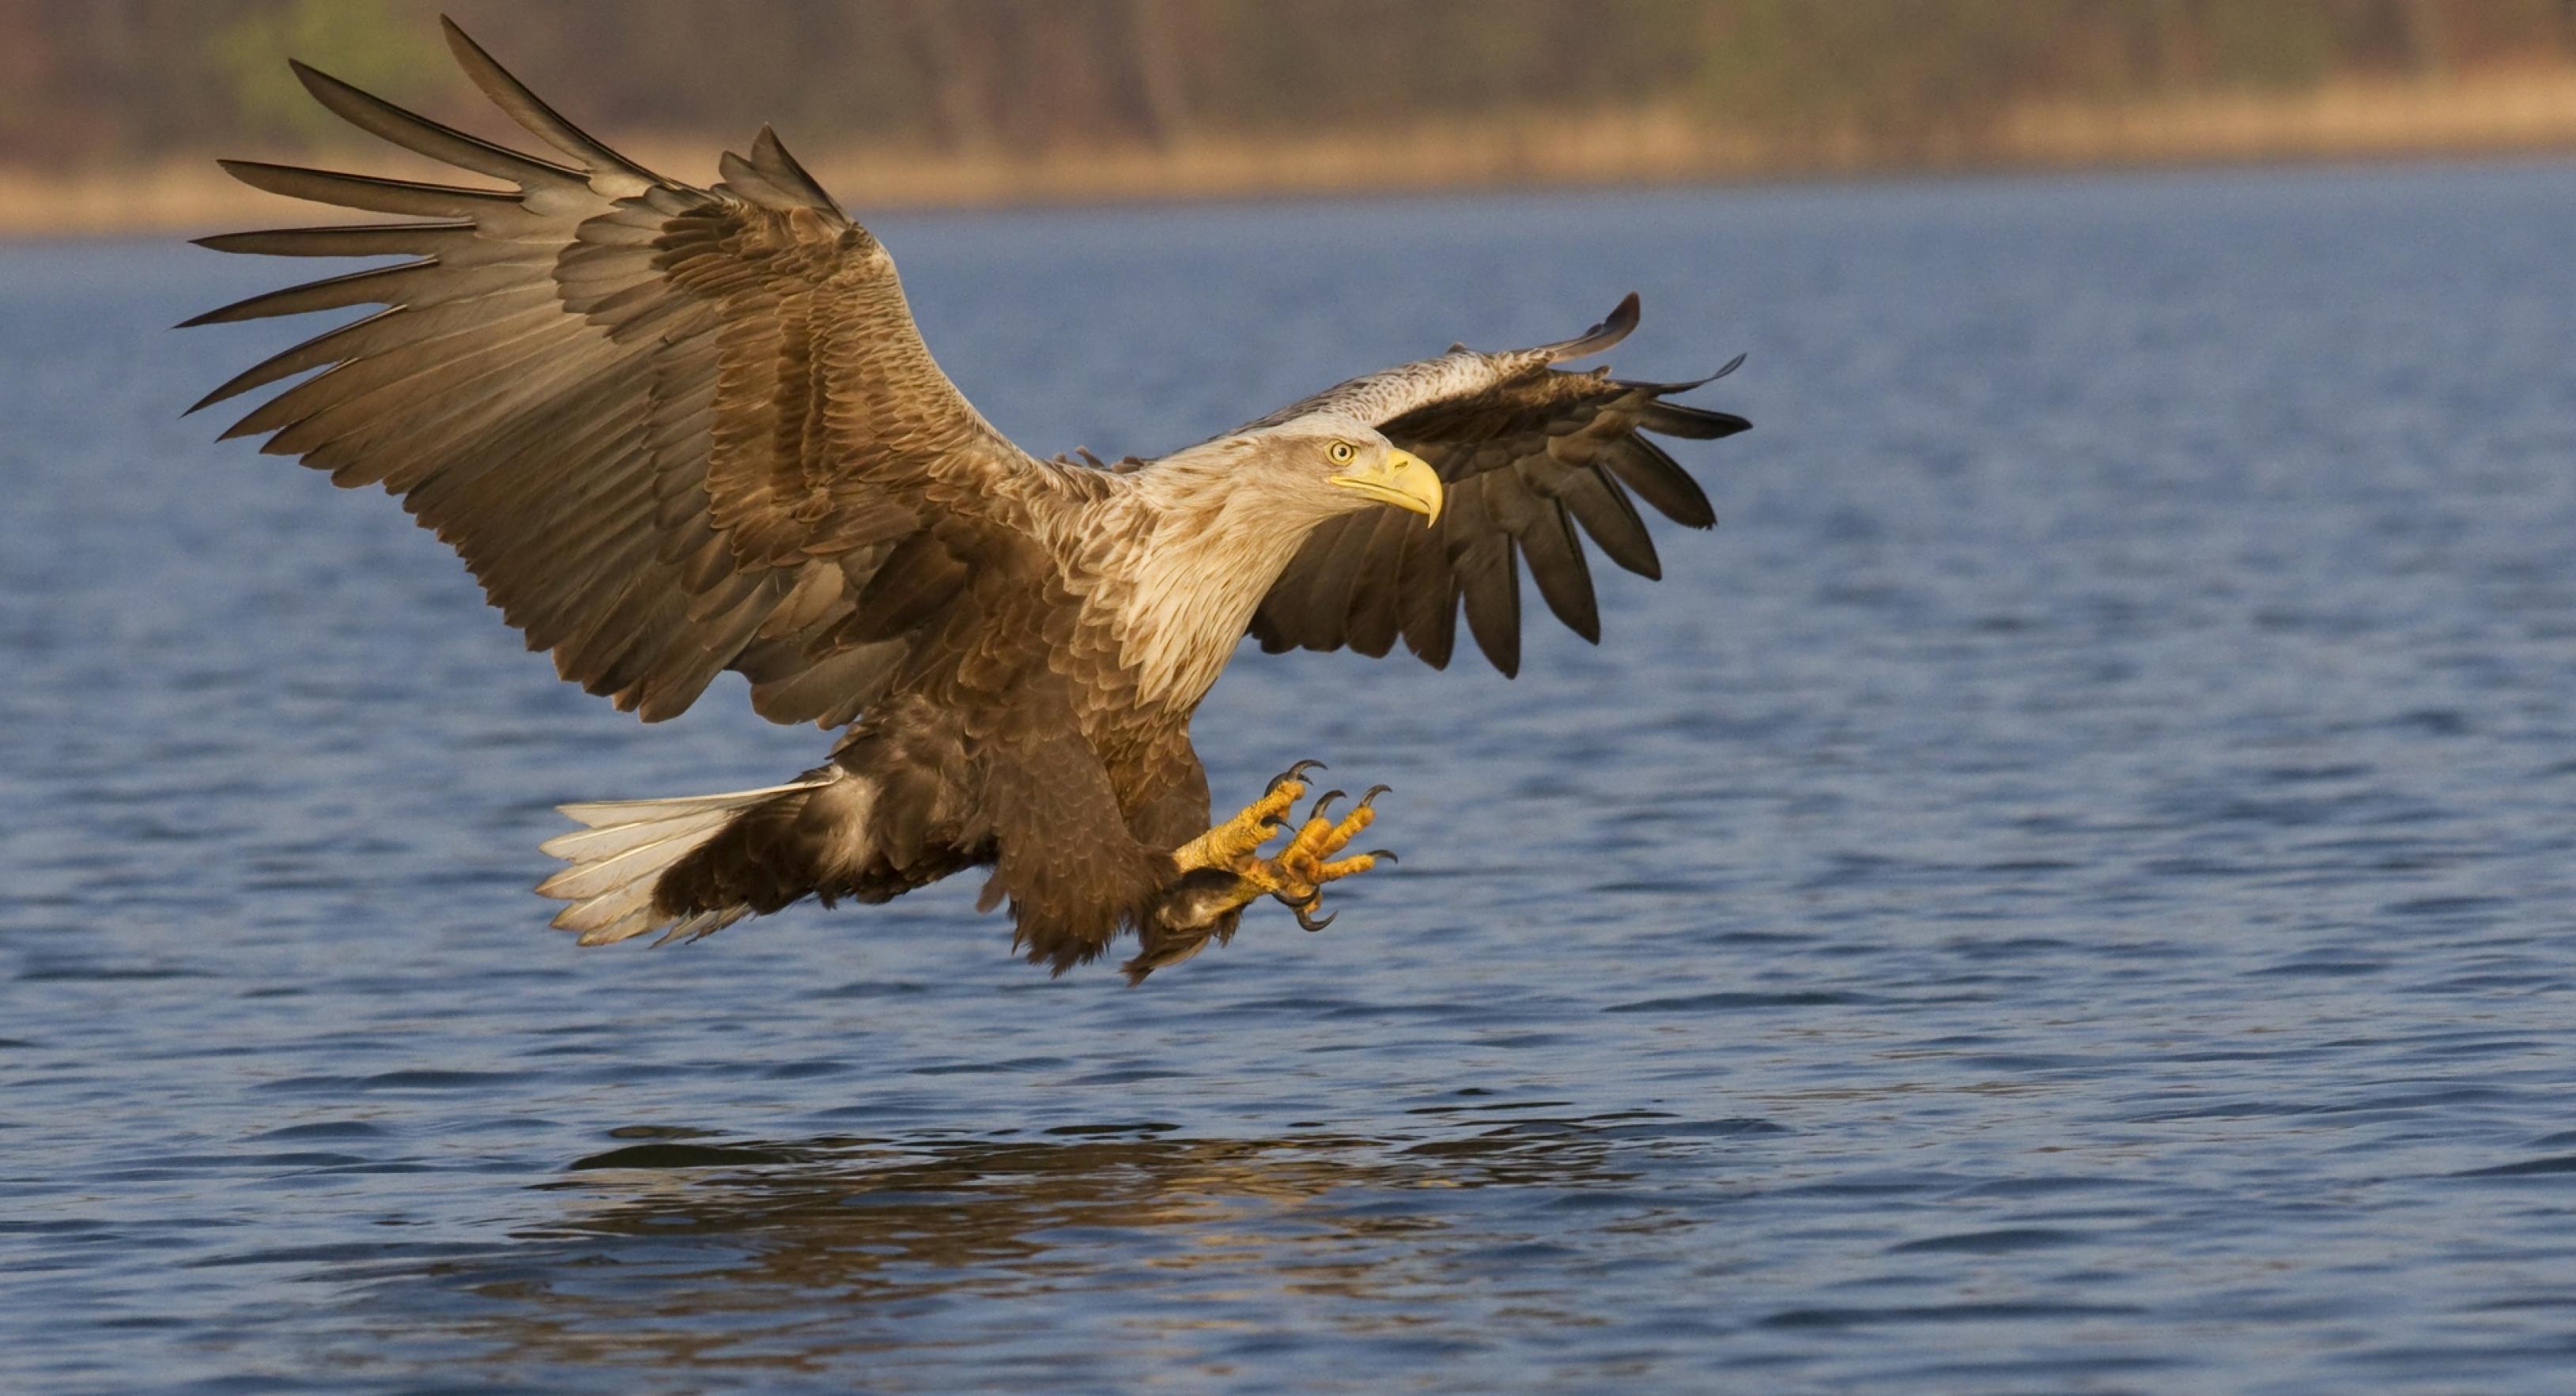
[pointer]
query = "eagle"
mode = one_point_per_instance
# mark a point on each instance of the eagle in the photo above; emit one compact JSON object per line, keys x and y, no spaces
{"x":675,"y":431}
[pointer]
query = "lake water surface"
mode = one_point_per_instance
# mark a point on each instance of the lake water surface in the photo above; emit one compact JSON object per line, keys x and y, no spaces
{"x":2068,"y":889}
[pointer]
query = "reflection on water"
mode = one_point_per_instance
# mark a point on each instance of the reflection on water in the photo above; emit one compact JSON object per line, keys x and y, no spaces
{"x":679,"y":1248}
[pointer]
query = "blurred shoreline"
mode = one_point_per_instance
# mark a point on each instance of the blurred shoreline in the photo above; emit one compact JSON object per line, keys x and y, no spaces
{"x":2490,"y":113}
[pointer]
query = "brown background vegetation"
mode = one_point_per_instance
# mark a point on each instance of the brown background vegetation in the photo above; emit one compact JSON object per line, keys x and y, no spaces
{"x":109,"y":108}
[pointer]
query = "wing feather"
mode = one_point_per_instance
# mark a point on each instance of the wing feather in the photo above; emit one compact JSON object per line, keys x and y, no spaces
{"x":1555,"y":556}
{"x":1598,"y":503}
{"x":1659,"y":480}
{"x":1529,"y":452}
{"x":351,"y":240}
{"x":1375,"y":613}
{"x":1429,"y":590}
{"x":369,"y":192}
{"x":1481,"y":555}
{"x":375,"y":285}
{"x":419,"y":134}
{"x":671,"y":430}
{"x":611,"y":174}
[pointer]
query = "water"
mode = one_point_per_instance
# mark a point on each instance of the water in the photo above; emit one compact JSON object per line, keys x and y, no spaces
{"x":2067,"y":889}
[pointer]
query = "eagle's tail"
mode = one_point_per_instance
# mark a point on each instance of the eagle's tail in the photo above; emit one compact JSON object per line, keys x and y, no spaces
{"x":621,"y":883}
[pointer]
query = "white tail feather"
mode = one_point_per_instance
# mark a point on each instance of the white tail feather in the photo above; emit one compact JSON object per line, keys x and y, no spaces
{"x":599,"y":813}
{"x":594,"y":845}
{"x":629,"y":844}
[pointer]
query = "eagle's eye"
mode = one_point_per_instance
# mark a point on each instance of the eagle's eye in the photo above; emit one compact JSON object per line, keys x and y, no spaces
{"x":1341,"y":452}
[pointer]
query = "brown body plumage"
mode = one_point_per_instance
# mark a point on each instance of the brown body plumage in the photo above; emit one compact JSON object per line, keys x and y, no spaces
{"x":676,"y":431}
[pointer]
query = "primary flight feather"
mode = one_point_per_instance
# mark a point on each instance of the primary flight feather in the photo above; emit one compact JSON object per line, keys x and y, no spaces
{"x":675,"y":431}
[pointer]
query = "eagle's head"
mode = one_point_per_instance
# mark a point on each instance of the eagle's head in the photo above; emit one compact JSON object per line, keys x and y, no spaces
{"x":1330,"y":463}
{"x":1227,"y":516}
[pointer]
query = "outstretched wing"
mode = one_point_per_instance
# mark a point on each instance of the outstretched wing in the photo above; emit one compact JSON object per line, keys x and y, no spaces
{"x":671,"y":430}
{"x":1527,"y":452}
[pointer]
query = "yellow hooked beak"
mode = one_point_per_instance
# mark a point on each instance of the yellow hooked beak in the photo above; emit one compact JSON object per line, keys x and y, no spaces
{"x":1400,"y":478}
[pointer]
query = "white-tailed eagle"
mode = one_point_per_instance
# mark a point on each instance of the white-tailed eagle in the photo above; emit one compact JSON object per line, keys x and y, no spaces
{"x":675,"y":431}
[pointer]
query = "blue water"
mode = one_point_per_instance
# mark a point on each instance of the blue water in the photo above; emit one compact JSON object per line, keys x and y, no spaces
{"x":2068,"y":889}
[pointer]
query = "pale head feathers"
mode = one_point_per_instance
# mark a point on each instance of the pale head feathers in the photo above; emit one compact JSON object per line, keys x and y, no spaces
{"x":1214,"y":527}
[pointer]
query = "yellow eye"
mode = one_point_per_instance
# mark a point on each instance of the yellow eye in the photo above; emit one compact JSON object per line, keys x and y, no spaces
{"x":1341,"y":452}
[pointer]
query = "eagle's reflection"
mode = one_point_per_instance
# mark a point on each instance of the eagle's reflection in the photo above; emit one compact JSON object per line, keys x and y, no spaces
{"x":686,"y":1250}
{"x":859,"y":1215}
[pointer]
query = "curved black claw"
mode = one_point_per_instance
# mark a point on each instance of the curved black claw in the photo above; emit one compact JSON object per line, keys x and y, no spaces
{"x":1384,"y":855}
{"x":1373,"y":792}
{"x":1323,"y":800}
{"x":1307,"y":921}
{"x":1296,"y":772}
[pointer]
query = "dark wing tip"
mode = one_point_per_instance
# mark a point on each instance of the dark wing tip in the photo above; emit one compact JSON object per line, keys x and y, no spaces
{"x":1623,"y":316}
{"x":1614,"y":327}
{"x":1692,"y":423}
{"x":773,"y":179}
{"x":461,"y":45}
{"x":770,"y":156}
{"x":321,"y":84}
{"x":1670,"y":389}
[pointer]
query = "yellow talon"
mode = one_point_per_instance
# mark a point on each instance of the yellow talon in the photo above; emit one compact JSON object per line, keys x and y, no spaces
{"x":1346,"y":867}
{"x":1232,"y":844}
{"x":1203,"y":907}
{"x":1321,"y":837}
{"x":1295,"y":876}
